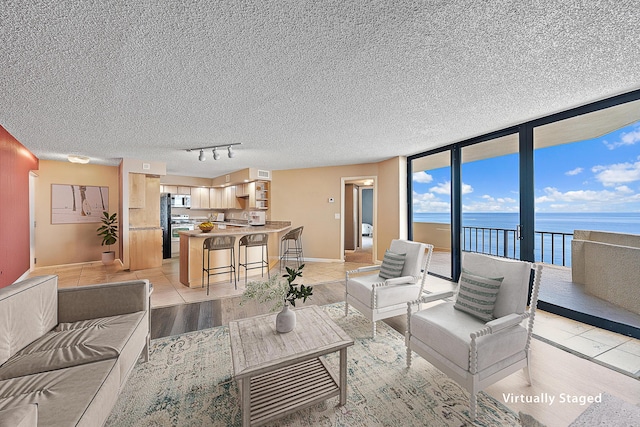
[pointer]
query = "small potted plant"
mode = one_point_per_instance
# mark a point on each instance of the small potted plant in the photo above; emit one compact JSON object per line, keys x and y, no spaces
{"x":280,"y":293}
{"x":108,"y":231}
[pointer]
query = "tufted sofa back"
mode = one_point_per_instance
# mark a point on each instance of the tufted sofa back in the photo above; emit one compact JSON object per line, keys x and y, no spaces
{"x":28,"y":310}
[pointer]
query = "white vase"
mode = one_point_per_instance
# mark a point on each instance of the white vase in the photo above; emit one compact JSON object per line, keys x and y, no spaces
{"x":286,"y":319}
{"x":108,"y":257}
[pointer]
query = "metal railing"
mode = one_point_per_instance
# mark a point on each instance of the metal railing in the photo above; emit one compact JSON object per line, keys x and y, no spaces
{"x":552,"y":247}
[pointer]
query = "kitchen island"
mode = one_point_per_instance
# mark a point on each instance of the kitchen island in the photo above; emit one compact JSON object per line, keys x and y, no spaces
{"x":191,"y":249}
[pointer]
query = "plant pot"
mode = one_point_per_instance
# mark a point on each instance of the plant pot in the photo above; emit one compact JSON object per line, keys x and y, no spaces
{"x":286,"y":320}
{"x":108,"y":257}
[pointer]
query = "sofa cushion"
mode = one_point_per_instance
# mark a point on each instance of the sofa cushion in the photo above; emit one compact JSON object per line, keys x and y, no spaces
{"x":28,"y":310}
{"x":71,"y":344}
{"x":447,"y":330}
{"x":19,"y":416}
{"x":77,"y":396}
{"x":414,"y":255}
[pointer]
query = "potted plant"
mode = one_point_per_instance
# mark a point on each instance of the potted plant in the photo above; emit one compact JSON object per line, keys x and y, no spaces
{"x":280,"y":293}
{"x":109,"y":233}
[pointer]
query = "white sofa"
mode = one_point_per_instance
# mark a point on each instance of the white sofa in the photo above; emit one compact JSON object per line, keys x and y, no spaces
{"x":66,"y":353}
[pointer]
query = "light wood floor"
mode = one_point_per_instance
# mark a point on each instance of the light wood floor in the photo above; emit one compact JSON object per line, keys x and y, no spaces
{"x":556,"y":372}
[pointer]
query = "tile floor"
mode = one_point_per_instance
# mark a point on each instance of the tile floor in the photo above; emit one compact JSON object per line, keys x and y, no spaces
{"x":618,"y":352}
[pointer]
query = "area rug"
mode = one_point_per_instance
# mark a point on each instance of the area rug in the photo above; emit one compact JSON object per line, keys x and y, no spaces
{"x":610,"y":412}
{"x":187,"y":382}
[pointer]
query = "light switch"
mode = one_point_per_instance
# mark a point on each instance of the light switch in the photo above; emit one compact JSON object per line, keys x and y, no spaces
{"x":337,"y":216}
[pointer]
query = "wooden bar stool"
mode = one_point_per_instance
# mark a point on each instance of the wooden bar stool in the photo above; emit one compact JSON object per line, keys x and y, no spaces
{"x":291,"y":247}
{"x":218,"y":243}
{"x":253,"y":240}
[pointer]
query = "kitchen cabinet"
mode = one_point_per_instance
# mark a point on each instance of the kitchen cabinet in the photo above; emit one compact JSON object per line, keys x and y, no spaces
{"x":184,"y":190}
{"x":173,"y":189}
{"x":200,"y":198}
{"x":145,"y":248}
{"x":137,"y":186}
{"x":215,"y":198}
{"x":259,"y":195}
{"x":230,"y":201}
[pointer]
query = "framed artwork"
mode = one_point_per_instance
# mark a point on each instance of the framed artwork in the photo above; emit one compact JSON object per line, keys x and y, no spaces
{"x":71,"y":204}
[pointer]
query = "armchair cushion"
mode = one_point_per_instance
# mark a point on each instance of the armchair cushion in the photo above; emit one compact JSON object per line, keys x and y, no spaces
{"x":414,"y":255}
{"x":361,"y":287}
{"x":477,"y":295}
{"x":392,"y":265}
{"x":512,"y":297}
{"x":447,"y":331}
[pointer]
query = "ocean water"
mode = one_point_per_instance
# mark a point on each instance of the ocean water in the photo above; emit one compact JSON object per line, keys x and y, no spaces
{"x":494,"y":242}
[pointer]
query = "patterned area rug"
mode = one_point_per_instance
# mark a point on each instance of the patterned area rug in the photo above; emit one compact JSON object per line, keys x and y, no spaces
{"x":187,"y":382}
{"x":610,"y":412}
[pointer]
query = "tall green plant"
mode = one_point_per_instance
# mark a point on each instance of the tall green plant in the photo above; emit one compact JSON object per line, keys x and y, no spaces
{"x":109,"y":229}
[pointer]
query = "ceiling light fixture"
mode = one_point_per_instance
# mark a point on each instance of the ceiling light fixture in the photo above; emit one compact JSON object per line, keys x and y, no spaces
{"x":216,"y":154}
{"x":78,"y":159}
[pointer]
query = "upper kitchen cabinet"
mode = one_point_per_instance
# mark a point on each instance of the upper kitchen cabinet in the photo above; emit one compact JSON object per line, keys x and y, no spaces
{"x":259,"y":195}
{"x":200,"y":198}
{"x":172,"y":189}
{"x":137,"y":187}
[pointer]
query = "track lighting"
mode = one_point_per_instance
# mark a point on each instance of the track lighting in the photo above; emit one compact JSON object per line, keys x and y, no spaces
{"x":216,"y":154}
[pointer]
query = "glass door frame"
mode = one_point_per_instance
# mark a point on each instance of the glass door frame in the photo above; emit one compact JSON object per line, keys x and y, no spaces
{"x":525,"y":133}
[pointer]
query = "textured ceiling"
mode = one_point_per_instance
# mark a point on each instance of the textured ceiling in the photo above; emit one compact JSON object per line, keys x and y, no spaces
{"x":298,"y":83}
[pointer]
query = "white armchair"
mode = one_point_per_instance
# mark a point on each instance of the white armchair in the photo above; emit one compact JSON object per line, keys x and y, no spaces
{"x":475,"y":352}
{"x":378,"y":297}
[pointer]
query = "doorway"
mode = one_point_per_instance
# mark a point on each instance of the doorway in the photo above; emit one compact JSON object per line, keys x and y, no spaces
{"x":358,"y":220}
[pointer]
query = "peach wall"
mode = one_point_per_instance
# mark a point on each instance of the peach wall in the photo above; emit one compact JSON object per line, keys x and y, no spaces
{"x":70,"y":243}
{"x":15,"y":163}
{"x":301,"y":196}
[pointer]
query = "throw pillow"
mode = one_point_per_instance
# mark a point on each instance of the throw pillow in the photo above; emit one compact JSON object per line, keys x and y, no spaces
{"x":392,"y":265}
{"x":477,"y":295}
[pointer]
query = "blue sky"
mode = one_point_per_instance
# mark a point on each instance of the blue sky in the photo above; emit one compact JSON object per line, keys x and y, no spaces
{"x":596,"y":175}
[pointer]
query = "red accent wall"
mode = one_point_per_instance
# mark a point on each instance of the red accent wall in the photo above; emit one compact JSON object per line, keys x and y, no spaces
{"x":15,"y":163}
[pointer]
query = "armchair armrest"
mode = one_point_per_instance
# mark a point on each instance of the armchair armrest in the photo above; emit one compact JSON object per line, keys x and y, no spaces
{"x":506,"y":321}
{"x":435,"y":296}
{"x":103,"y":300}
{"x":364,"y":269}
{"x":402,"y":280}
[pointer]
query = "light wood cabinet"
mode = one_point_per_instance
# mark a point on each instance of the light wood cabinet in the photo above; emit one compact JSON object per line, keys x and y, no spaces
{"x":215,"y":198}
{"x":183,"y":190}
{"x":172,"y":189}
{"x":137,"y":186}
{"x":259,"y":195}
{"x":200,"y":198}
{"x":145,"y":249}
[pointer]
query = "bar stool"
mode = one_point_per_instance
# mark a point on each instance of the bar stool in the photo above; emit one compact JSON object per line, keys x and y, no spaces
{"x":253,"y":240}
{"x":218,"y":243}
{"x":291,"y":247}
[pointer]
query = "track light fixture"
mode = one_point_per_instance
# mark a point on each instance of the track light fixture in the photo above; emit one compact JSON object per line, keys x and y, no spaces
{"x":216,"y":154}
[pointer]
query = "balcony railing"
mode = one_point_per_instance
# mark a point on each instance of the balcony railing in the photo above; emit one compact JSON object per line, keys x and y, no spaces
{"x":551,"y":247}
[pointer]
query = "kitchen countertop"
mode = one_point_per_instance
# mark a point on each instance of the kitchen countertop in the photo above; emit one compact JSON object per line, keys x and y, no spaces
{"x":225,"y":229}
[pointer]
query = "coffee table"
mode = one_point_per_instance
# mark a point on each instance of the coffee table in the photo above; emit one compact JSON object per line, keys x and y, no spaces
{"x":279,"y":374}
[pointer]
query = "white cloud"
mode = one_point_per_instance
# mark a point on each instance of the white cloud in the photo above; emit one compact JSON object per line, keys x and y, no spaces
{"x":445,"y":188}
{"x":422,"y":177}
{"x":585,"y":200}
{"x":619,"y":173}
{"x":428,"y":202}
{"x":573,"y":172}
{"x":626,"y":138}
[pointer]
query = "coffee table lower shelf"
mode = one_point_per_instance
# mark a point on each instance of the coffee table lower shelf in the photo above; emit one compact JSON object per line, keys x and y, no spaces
{"x":289,"y":389}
